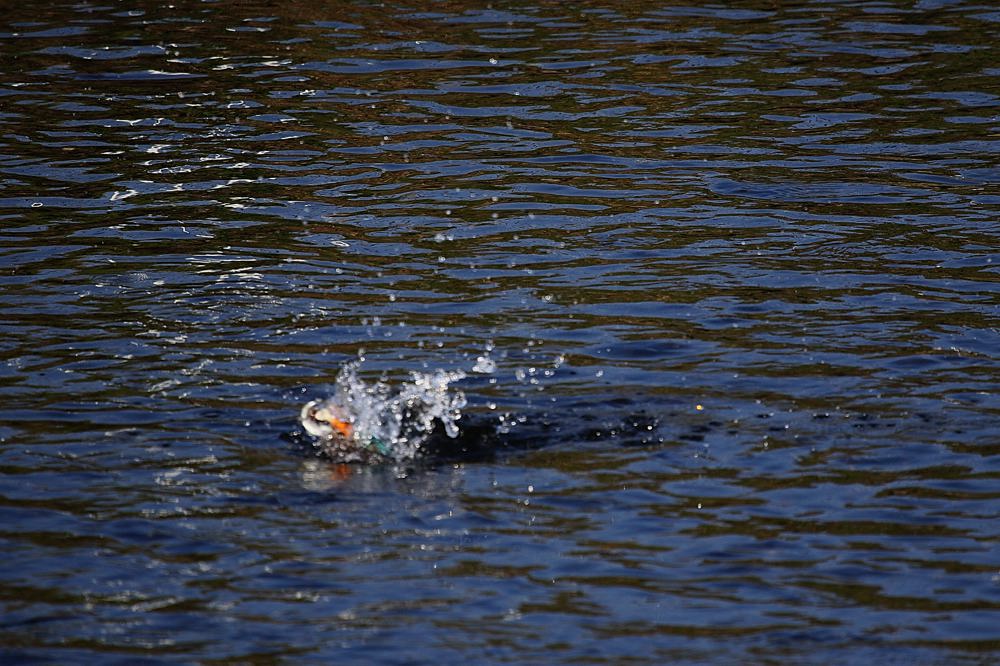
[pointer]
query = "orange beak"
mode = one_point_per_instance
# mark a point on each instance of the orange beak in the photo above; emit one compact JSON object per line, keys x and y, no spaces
{"x":343,"y":427}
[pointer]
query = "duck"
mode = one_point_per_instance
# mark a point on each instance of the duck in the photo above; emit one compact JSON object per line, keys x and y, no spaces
{"x":332,"y":427}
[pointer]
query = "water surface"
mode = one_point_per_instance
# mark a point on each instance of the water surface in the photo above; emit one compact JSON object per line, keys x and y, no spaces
{"x":737,"y":266}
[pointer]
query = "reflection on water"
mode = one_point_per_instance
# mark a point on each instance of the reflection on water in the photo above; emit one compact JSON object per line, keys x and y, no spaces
{"x":738,"y":268}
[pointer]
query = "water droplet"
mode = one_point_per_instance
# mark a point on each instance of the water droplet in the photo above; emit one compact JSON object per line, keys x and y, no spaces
{"x":485,"y":365}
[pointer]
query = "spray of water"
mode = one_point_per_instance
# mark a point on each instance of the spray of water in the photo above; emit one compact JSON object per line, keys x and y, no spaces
{"x":371,"y":421}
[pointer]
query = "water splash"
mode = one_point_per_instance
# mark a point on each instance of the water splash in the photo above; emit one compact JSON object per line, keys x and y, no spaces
{"x":370,"y":422}
{"x":485,"y":365}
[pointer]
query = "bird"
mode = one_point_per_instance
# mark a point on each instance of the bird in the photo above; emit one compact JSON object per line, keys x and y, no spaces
{"x":333,"y":428}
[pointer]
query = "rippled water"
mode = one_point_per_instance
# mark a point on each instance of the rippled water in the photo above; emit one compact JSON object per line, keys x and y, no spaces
{"x":737,"y":266}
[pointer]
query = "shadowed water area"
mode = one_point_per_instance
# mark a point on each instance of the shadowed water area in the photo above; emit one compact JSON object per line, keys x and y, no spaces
{"x":736,"y":266}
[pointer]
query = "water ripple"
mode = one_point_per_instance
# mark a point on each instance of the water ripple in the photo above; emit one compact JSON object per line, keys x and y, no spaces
{"x":737,"y":268}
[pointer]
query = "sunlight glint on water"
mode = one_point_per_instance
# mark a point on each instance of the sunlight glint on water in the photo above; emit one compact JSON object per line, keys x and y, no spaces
{"x":739,"y":268}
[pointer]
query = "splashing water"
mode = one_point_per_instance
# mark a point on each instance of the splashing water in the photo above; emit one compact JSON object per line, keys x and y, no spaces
{"x":366,"y":422}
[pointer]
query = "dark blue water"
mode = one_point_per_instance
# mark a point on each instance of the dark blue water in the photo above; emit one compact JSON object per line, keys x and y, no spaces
{"x":738,"y":266}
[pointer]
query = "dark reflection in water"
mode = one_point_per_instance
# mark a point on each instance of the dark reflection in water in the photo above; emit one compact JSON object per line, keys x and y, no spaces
{"x":738,"y":266}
